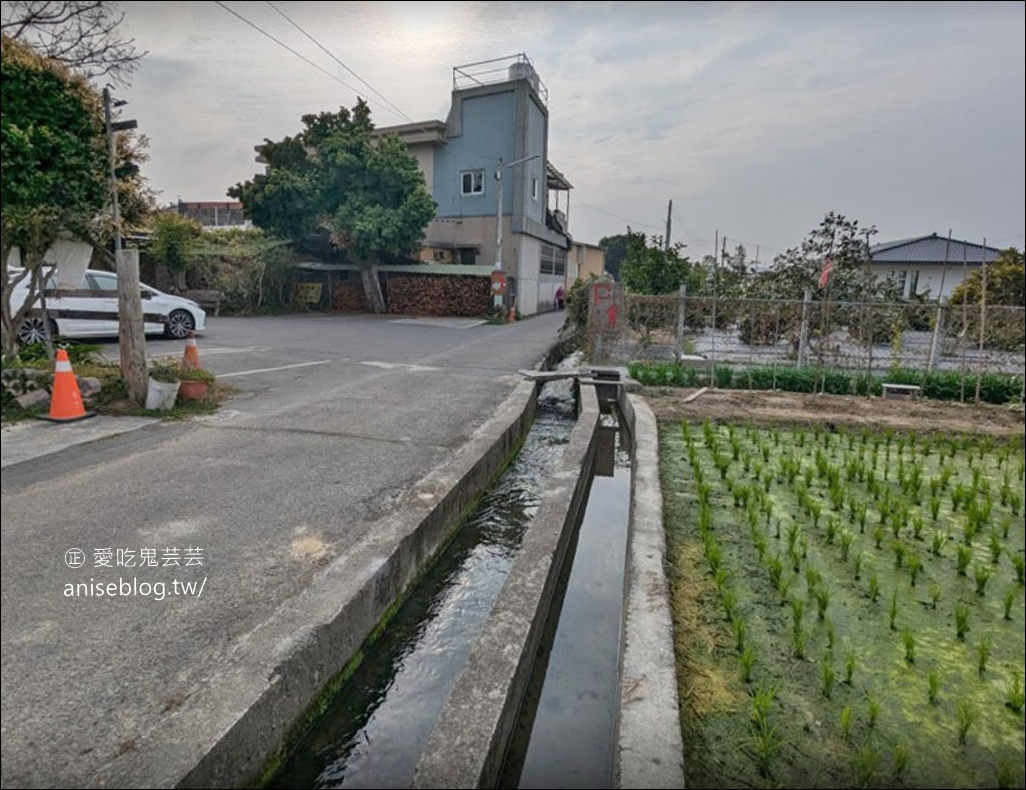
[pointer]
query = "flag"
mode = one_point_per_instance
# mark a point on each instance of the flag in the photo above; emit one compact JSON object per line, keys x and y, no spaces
{"x":828,"y":266}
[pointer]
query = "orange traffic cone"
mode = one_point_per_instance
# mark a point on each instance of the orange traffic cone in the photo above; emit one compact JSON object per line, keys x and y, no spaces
{"x":66,"y":399}
{"x":191,"y":360}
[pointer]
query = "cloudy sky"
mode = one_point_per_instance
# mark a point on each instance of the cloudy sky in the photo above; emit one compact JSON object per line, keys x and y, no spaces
{"x":754,"y":118}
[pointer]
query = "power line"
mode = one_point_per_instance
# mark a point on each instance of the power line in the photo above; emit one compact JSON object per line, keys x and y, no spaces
{"x":331,"y":55}
{"x":631,"y":222}
{"x":294,"y":52}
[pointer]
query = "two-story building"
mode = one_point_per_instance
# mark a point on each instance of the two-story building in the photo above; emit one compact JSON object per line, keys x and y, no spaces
{"x":498,"y":195}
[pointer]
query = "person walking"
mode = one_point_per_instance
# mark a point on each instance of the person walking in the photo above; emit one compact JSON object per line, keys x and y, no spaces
{"x":560,"y":298}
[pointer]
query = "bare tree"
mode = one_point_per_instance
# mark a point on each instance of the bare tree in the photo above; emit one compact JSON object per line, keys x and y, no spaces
{"x":82,"y":35}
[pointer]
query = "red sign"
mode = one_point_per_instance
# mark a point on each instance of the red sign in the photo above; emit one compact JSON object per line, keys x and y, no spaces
{"x":498,"y":282}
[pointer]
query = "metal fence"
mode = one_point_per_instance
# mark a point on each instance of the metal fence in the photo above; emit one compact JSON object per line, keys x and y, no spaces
{"x":872,"y":337}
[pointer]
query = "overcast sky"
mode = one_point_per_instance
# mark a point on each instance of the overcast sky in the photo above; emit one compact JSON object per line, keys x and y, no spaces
{"x":754,"y":118}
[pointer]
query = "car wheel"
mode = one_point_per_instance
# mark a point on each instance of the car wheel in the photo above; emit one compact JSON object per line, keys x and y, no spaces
{"x":179,"y":324}
{"x":33,"y":330}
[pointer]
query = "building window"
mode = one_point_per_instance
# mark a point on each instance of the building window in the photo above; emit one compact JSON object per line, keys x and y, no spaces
{"x":913,"y":283}
{"x":472,"y":182}
{"x":534,"y":187}
{"x":553,"y":261}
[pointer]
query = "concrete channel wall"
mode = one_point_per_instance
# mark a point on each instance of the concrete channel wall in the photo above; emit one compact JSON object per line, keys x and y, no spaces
{"x":289,"y":664}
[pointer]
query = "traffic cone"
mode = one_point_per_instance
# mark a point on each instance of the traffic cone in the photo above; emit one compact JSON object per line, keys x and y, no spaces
{"x":191,"y":360}
{"x":66,"y":398}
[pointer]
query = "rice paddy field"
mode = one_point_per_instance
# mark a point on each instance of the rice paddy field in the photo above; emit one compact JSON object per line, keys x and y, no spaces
{"x":848,"y":601}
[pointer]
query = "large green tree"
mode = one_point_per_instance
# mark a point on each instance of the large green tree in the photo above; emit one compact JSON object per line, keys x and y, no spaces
{"x":1005,"y":278}
{"x":333,"y":178}
{"x":53,"y":155}
{"x":616,"y":250}
{"x":649,"y":268}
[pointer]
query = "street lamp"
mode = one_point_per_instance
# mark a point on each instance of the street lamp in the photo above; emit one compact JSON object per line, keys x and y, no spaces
{"x":498,"y":218}
{"x":131,"y":338}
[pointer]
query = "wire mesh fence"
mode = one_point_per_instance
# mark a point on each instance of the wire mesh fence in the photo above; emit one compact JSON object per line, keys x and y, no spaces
{"x":868,"y":337}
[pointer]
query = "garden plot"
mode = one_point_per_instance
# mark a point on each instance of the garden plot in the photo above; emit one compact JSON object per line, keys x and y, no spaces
{"x":848,"y":604}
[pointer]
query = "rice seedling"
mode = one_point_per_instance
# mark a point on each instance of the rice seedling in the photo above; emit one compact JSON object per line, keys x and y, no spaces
{"x":1015,"y":694}
{"x":935,"y":504}
{"x":1007,"y":600}
{"x":831,"y":634}
{"x":937,"y":543}
{"x":982,"y":575}
{"x":850,"y":664}
{"x":899,"y":760}
{"x":872,"y":710}
{"x":847,"y":538}
{"x":797,"y":612}
{"x":827,"y":674}
{"x":864,"y":764}
{"x":846,"y":721}
{"x":812,"y":578}
{"x":762,"y":701}
{"x":893,"y":611}
{"x":766,"y":743}
{"x":857,"y":565}
{"x":822,"y":596}
{"x":1019,"y":563}
{"x":963,"y":556}
{"x":908,"y":639}
{"x":983,"y":654}
{"x":748,"y":657}
{"x":878,"y":535}
{"x":961,"y":620}
{"x":874,"y":588}
{"x":740,"y":632}
{"x":915,"y":564}
{"x":933,"y":686}
{"x":967,"y":714}
{"x":1004,"y":775}
{"x":935,"y":594}
{"x":798,"y":642}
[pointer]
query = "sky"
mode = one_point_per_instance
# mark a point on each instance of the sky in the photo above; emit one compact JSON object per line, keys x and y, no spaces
{"x":755,"y":119}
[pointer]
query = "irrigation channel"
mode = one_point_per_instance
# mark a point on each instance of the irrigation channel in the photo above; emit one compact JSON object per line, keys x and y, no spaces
{"x":375,"y":728}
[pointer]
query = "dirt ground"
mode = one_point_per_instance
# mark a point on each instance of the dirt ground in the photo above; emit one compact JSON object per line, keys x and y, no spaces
{"x":767,"y":408}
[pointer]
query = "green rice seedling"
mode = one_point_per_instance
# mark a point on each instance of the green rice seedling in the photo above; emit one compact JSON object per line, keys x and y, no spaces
{"x":937,"y":544}
{"x":1007,"y":600}
{"x":740,"y":633}
{"x":917,"y":527}
{"x":935,"y":504}
{"x":798,"y":642}
{"x":748,"y":656}
{"x":983,"y":650}
{"x":729,"y":600}
{"x":963,"y":555}
{"x":812,"y":578}
{"x":815,"y":510}
{"x":850,"y":664}
{"x":908,"y":639}
{"x":893,"y":611}
{"x":1015,"y":502}
{"x":784,"y":589}
{"x":997,"y":546}
{"x":900,"y":551}
{"x":899,"y":760}
{"x":857,"y":564}
{"x":832,"y":526}
{"x":1004,"y":775}
{"x":760,"y":543}
{"x":1015,"y":694}
{"x":1019,"y":563}
{"x":933,"y":686}
{"x":822,"y":596}
{"x":872,"y":710}
{"x":776,"y":532}
{"x":807,"y":473}
{"x":766,"y":743}
{"x":827,"y":674}
{"x":1006,"y":525}
{"x":721,"y":579}
{"x":915,"y":564}
{"x":846,"y":721}
{"x":793,"y":533}
{"x":860,"y":513}
{"x":797,"y":612}
{"x":878,"y":535}
{"x":967,"y":715}
{"x":982,"y":575}
{"x":864,"y":764}
{"x":874,"y":588}
{"x":935,"y":594}
{"x":762,"y":701}
{"x":795,"y":554}
{"x":961,"y":620}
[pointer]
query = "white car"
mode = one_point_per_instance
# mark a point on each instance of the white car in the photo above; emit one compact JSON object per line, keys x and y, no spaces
{"x":98,"y":302}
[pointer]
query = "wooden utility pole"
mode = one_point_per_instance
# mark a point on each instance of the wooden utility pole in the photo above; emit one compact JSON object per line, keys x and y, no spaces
{"x":669,"y":221}
{"x":131,"y":334}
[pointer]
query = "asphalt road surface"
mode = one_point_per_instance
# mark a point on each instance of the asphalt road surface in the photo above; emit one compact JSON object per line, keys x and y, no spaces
{"x":133,"y":566}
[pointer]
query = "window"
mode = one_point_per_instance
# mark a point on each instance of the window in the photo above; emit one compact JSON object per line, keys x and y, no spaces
{"x":913,"y":283}
{"x":899,"y":281}
{"x":472,"y":182}
{"x":553,"y":261}
{"x":534,"y":187}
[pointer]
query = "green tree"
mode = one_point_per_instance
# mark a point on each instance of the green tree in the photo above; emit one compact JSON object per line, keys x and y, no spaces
{"x":367,"y":195}
{"x":616,"y":251}
{"x":649,"y":268}
{"x":174,"y":242}
{"x":1006,"y":282}
{"x":53,"y":151}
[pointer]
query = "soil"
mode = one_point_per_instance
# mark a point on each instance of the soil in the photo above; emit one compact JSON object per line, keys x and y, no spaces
{"x":787,"y":408}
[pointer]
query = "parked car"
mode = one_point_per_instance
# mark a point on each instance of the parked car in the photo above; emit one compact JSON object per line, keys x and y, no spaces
{"x":177,"y":316}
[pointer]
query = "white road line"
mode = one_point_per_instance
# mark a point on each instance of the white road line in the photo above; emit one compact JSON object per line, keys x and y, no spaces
{"x":399,"y":366}
{"x":272,"y":370}
{"x":212,"y":351}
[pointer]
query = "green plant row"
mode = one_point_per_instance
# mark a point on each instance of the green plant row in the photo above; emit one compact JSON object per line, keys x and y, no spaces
{"x":938,"y":385}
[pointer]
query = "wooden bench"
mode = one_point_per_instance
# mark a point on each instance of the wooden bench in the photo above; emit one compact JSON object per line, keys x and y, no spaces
{"x":907,"y":391}
{"x":208,"y":300}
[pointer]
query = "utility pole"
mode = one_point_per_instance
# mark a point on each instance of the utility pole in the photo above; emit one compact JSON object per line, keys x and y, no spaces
{"x":131,"y":337}
{"x":669,"y":222}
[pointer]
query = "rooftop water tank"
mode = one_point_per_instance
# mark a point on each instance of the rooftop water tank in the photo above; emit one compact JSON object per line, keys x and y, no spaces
{"x":522,"y":70}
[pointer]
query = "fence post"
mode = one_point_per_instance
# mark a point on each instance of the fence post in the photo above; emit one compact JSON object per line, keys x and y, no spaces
{"x":680,"y":324}
{"x":938,"y":333}
{"x":803,"y":335}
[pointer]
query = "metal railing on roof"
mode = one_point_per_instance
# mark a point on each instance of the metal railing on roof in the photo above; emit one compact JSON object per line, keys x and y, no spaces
{"x":496,"y":70}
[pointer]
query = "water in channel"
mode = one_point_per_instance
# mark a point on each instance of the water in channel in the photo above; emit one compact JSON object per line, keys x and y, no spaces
{"x":375,"y":728}
{"x":565,"y":735}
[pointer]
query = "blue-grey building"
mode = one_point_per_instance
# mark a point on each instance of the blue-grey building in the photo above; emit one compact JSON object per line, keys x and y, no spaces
{"x":489,"y":160}
{"x":929,"y":265}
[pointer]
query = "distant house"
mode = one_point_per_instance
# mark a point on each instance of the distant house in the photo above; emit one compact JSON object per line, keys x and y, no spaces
{"x":918,"y":264}
{"x":214,"y":213}
{"x":584,"y":261}
{"x":495,"y":137}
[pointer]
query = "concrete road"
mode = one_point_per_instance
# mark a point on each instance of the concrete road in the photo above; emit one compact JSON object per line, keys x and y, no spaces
{"x":217,"y":522}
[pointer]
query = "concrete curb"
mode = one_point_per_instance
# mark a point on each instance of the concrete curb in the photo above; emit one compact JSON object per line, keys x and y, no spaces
{"x":649,"y":750}
{"x":247,"y":711}
{"x":468,"y":744}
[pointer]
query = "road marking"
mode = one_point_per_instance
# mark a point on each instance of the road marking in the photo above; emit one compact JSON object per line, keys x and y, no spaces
{"x":400,"y":366}
{"x":447,"y":323}
{"x":210,"y":351}
{"x":272,"y":370}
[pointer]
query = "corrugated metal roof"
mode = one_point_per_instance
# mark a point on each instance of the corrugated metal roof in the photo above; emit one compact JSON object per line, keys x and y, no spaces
{"x":930,"y":249}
